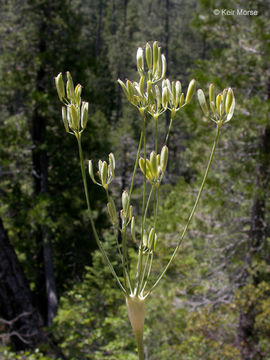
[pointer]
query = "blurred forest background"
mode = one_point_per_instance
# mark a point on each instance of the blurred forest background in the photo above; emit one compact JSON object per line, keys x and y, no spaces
{"x":57,"y":299}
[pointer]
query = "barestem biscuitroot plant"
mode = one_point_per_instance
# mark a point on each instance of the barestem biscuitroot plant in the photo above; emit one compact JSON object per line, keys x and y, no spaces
{"x":152,"y":95}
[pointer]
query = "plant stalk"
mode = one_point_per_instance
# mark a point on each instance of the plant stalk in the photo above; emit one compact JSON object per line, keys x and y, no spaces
{"x":90,"y":215}
{"x":219,"y":124}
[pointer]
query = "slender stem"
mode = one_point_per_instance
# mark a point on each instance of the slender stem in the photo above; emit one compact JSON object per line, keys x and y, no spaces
{"x":125,"y":223}
{"x":156,"y":119}
{"x":139,"y":340}
{"x":169,"y":130}
{"x":139,"y":263}
{"x":90,"y":215}
{"x":192,"y":211}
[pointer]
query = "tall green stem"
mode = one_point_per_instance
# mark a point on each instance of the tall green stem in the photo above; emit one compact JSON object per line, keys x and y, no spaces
{"x":192,"y":211}
{"x":90,"y":215}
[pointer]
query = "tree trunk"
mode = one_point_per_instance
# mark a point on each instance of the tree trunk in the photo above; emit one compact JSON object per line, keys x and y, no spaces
{"x":247,"y":336}
{"x":21,"y":319}
{"x":40,"y":172}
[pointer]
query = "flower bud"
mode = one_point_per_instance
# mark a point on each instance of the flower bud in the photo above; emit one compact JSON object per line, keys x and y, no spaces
{"x":181,"y":100}
{"x":125,"y":202}
{"x":130,"y":89}
{"x":141,"y":84}
{"x":150,"y":94}
{"x":124,"y":88}
{"x":103,"y":174}
{"x":164,"y":66}
{"x":190,"y":91}
{"x":148,"y":55}
{"x":130,"y":212}
{"x":84,"y":114}
{"x":78,"y":91}
{"x":211,"y":93}
{"x":229,"y":100}
{"x":231,"y":111}
{"x":177,"y":92}
{"x":155,"y":56}
{"x":150,"y":238}
{"x":158,"y":97}
{"x":59,"y":83}
{"x":202,"y":101}
{"x":91,"y":172}
{"x":70,"y":88}
{"x":112,"y":163}
{"x":164,"y":158}
{"x":155,"y":243}
{"x":132,"y":226}
{"x":64,"y":117}
{"x":112,"y":211}
{"x":74,"y":118}
{"x":165,"y":97}
{"x":159,"y":63}
{"x":154,"y":164}
{"x":140,"y":65}
{"x":218,"y":102}
{"x":144,"y":239}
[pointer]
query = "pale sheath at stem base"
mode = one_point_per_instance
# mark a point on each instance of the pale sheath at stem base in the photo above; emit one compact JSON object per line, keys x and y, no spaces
{"x":136,"y":314}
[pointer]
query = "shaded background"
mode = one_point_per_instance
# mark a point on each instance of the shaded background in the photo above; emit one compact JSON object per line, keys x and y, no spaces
{"x":57,"y":300}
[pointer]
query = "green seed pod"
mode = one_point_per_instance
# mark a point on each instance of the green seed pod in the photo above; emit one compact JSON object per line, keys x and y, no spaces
{"x":84,"y":114}
{"x":154,"y":164}
{"x":140,"y":64}
{"x":202,"y":101}
{"x":229,"y":100}
{"x":112,"y":211}
{"x":155,"y":56}
{"x":164,"y":158}
{"x":211,"y":93}
{"x":132,"y":226}
{"x":91,"y":172}
{"x":150,"y":238}
{"x":190,"y":90}
{"x":70,"y":88}
{"x":125,"y":202}
{"x":78,"y":92}
{"x":103,"y":173}
{"x":148,"y":56}
{"x":218,"y":102}
{"x":231,"y":111}
{"x":74,"y":119}
{"x":164,"y":66}
{"x":60,"y":87}
{"x":64,"y":118}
